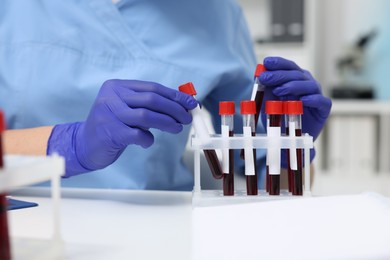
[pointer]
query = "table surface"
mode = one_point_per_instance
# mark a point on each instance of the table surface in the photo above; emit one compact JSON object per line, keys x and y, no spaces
{"x":118,"y":224}
{"x":112,"y":224}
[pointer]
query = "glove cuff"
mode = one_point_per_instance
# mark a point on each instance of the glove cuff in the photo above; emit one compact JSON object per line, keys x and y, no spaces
{"x":62,"y":142}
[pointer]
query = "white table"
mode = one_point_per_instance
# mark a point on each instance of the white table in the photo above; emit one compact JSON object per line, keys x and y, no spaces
{"x":114,"y":224}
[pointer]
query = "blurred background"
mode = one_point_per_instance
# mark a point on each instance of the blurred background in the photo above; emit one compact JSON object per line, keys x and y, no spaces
{"x":345,"y":43}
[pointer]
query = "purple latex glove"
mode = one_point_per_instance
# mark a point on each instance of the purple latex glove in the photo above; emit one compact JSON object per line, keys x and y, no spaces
{"x":284,"y":80}
{"x":121,"y":115}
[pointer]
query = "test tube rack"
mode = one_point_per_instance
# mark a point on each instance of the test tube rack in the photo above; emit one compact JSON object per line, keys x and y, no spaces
{"x":238,"y":141}
{"x":21,"y":171}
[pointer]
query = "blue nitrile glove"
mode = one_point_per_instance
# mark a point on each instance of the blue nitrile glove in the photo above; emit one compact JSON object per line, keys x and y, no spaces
{"x":122,"y":114}
{"x":284,"y":80}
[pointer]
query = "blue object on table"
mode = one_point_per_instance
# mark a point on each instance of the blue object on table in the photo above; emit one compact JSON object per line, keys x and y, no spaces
{"x":19,"y":204}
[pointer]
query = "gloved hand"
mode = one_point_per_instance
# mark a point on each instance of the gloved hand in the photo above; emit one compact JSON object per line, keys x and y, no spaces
{"x":284,"y":80}
{"x":122,"y":114}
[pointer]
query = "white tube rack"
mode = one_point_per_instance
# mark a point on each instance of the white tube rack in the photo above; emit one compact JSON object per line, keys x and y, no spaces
{"x":238,"y":141}
{"x":21,"y":171}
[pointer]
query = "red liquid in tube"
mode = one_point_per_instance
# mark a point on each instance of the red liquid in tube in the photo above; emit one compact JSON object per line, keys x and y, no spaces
{"x":5,"y":247}
{"x":211,"y":155}
{"x":228,"y":179}
{"x":293,"y":111}
{"x":274,"y":111}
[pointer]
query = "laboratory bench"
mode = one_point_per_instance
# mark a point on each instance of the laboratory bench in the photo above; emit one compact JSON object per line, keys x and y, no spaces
{"x":130,"y":224}
{"x":72,"y":223}
{"x":110,"y":224}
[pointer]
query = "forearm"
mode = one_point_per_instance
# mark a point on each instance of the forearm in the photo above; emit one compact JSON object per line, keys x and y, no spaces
{"x":31,"y":141}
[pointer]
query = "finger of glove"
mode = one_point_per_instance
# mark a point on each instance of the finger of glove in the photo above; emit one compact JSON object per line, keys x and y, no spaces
{"x":278,"y":63}
{"x":320,"y":103}
{"x":145,"y":119}
{"x":280,"y":77}
{"x":159,"y":104}
{"x":98,"y":150}
{"x":298,"y":88}
{"x":183,"y":99}
{"x":137,"y":136}
{"x":108,"y":109}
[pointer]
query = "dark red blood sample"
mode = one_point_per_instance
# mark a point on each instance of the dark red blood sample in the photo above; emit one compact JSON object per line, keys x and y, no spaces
{"x":274,"y":186}
{"x":5,"y":249}
{"x":5,"y":252}
{"x":228,"y":179}
{"x":213,"y":161}
{"x":259,"y":101}
{"x":297,"y":175}
{"x":251,"y":180}
{"x":273,"y":183}
{"x":289,"y":171}
{"x":267,"y":180}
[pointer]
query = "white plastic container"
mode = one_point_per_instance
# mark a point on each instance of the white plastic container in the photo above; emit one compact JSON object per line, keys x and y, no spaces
{"x":21,"y":171}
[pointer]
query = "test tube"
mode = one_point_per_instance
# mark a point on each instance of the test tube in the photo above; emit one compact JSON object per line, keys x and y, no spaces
{"x":293,"y":121}
{"x":201,"y":130}
{"x":227,"y":111}
{"x":5,"y":250}
{"x":274,"y":111}
{"x":257,"y":95}
{"x":258,"y":91}
{"x":248,"y":111}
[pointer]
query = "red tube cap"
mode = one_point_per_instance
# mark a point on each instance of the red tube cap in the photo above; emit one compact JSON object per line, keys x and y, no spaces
{"x":274,"y":107}
{"x":259,"y":69}
{"x":248,"y":107}
{"x":2,"y":122}
{"x":227,"y":108}
{"x":188,"y":88}
{"x":293,"y":107}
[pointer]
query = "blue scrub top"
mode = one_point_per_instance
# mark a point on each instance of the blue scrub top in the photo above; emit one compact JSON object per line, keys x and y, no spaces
{"x":55,"y":55}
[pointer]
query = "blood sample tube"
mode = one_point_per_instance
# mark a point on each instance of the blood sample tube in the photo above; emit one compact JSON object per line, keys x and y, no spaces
{"x":274,"y":111}
{"x":293,"y":121}
{"x":257,"y":95}
{"x":5,"y":250}
{"x":201,"y":130}
{"x":258,"y":91}
{"x":227,"y":111}
{"x":248,"y":111}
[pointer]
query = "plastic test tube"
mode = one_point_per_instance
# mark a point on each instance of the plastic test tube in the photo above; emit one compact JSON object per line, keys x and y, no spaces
{"x":5,"y":250}
{"x":248,"y":111}
{"x":201,"y":130}
{"x":258,"y":91}
{"x":257,"y":95}
{"x":227,"y":111}
{"x":293,"y":121}
{"x":274,"y":111}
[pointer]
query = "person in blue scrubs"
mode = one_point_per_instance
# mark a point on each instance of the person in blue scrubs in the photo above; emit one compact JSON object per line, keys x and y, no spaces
{"x":96,"y":82}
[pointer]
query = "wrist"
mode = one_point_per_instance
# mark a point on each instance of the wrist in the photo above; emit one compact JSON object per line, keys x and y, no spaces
{"x":62,"y":142}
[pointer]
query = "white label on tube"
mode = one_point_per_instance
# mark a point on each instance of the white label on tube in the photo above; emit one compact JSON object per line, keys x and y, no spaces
{"x":273,"y":152}
{"x":267,"y":153}
{"x":292,"y":150}
{"x":274,"y":161}
{"x":254,"y":91}
{"x":199,"y":124}
{"x":274,"y":131}
{"x":248,"y":152}
{"x":225,"y":150}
